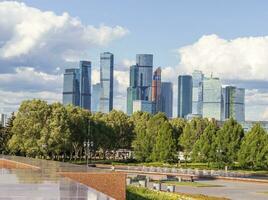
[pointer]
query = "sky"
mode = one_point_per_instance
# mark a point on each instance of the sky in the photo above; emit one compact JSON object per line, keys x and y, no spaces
{"x":40,"y":38}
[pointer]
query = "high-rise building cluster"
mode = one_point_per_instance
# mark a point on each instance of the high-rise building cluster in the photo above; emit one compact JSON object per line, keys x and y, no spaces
{"x":206,"y":97}
{"x":197,"y":95}
{"x":77,"y":85}
{"x":146,"y":91}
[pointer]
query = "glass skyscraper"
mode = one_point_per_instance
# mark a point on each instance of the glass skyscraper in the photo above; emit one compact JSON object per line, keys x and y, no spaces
{"x":85,"y":84}
{"x":234,"y":103}
{"x":95,"y":97}
{"x":143,"y":105}
{"x":71,"y":90}
{"x":156,"y":90}
{"x":197,"y":100}
{"x":167,"y":98}
{"x":212,"y":98}
{"x":185,"y":85}
{"x":145,"y":72}
{"x":140,"y":81}
{"x":77,"y":86}
{"x":106,"y":81}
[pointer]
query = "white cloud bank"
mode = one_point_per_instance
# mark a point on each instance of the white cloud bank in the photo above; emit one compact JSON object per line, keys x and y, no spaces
{"x":242,"y":58}
{"x":28,"y":32}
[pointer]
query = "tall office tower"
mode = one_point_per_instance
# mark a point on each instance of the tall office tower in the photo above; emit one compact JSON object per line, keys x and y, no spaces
{"x":95,"y":97}
{"x":132,"y":90}
{"x":185,"y":84}
{"x":3,"y":120}
{"x":143,"y":105}
{"x":71,"y":91}
{"x":85,"y":85}
{"x":106,"y":80}
{"x":156,"y":90}
{"x":145,"y":72}
{"x":167,"y":98}
{"x":197,"y":100}
{"x":234,"y":103}
{"x":212,"y":98}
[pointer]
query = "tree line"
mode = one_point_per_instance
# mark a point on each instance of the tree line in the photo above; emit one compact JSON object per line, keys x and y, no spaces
{"x":54,"y":131}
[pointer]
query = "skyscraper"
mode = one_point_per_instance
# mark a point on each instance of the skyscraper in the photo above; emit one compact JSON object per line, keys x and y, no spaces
{"x":184,"y":95}
{"x":71,"y":91}
{"x":106,"y":81}
{"x":140,"y":86}
{"x":156,"y":90}
{"x":85,"y":84}
{"x":212,"y":98}
{"x":3,"y":120}
{"x":167,"y":98}
{"x":143,"y":105}
{"x":132,"y":90}
{"x":145,"y":72}
{"x":197,"y":100}
{"x":95,"y":97}
{"x":234,"y":103}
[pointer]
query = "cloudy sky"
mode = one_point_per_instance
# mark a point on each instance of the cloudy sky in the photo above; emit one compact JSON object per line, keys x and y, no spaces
{"x":39,"y":39}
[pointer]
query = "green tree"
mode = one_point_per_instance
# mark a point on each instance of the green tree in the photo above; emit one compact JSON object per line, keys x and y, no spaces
{"x":254,"y":149}
{"x":164,"y":149}
{"x":204,"y":149}
{"x":178,"y":125}
{"x":228,"y":142}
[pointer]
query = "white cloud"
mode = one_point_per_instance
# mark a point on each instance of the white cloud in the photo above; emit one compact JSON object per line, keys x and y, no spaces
{"x":31,"y":36}
{"x":242,"y":58}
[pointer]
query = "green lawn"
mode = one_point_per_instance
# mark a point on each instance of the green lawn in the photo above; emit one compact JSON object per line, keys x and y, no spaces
{"x":139,"y":193}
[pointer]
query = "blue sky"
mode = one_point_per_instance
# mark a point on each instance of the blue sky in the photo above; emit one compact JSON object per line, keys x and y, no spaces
{"x":226,"y":38}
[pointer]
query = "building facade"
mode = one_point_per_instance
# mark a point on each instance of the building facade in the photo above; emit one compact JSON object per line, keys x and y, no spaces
{"x":184,"y":95}
{"x":143,"y":105}
{"x":156,"y":90}
{"x":197,"y":97}
{"x":233,"y":103}
{"x":212,"y":98}
{"x":85,"y":85}
{"x":77,"y":86}
{"x":95,"y":98}
{"x":167,"y":98}
{"x":132,"y":90}
{"x":71,"y":88}
{"x":106,"y":81}
{"x":3,"y":120}
{"x":144,"y":63}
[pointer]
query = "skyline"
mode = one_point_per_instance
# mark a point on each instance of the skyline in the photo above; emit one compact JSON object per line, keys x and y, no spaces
{"x":25,"y":71}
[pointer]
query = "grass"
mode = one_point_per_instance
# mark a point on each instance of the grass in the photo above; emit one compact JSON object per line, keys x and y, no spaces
{"x":192,"y":184}
{"x":139,"y":193}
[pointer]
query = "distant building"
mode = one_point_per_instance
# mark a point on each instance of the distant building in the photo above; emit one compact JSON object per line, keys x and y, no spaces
{"x":140,"y":82}
{"x":106,"y":81}
{"x":212,"y":98}
{"x":184,"y":95}
{"x":77,"y":86}
{"x":144,"y":63}
{"x":233,"y":103}
{"x":95,"y":97}
{"x":143,"y":105}
{"x":156,"y":90}
{"x":167,"y":98}
{"x":247,"y":125}
{"x":3,"y":120}
{"x":132,"y":90}
{"x":197,"y":97}
{"x":71,"y":82}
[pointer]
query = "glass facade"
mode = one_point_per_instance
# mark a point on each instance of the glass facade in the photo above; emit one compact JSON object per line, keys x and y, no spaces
{"x":71,"y":91}
{"x":212,"y":98}
{"x":234,"y":103}
{"x":184,"y":95}
{"x":106,"y":81}
{"x":156,"y":90}
{"x":167,"y":98}
{"x":95,"y":98}
{"x":85,"y":85}
{"x":142,"y":105}
{"x":145,"y":72}
{"x":197,"y":100}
